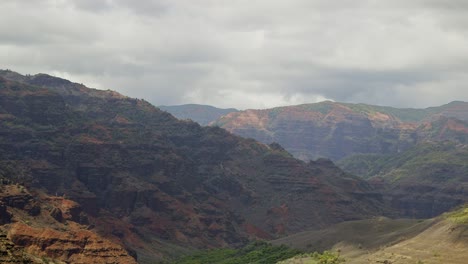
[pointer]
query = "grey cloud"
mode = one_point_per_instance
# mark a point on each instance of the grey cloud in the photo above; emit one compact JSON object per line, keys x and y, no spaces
{"x":451,"y":5}
{"x":146,"y":7}
{"x":246,"y":54}
{"x":92,"y":5}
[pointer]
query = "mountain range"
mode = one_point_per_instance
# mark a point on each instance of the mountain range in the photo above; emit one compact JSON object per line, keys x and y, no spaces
{"x":93,"y":176}
{"x":155,"y":185}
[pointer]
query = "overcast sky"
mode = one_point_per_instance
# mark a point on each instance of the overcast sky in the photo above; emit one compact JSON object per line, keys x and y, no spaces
{"x":246,"y":53}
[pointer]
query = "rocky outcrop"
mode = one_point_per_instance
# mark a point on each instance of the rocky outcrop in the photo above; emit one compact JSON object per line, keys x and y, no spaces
{"x":80,"y":246}
{"x":51,"y":233}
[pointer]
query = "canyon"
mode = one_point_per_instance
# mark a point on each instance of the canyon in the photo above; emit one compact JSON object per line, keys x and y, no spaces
{"x":160,"y":186}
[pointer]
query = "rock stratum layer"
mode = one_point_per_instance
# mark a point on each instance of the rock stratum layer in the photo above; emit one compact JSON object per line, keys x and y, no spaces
{"x":37,"y":228}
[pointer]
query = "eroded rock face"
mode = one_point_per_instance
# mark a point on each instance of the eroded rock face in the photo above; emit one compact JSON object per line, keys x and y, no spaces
{"x":51,"y":233}
{"x":80,"y":246}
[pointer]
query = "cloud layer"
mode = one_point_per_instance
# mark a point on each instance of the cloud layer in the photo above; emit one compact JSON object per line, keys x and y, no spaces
{"x":246,"y":54}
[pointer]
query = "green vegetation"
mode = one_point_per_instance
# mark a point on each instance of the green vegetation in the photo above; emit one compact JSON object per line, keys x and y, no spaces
{"x":260,"y":253}
{"x":327,"y":257}
{"x":459,"y":216}
{"x":254,"y":253}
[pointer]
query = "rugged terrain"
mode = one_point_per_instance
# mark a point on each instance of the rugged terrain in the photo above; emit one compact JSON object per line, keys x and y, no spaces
{"x":158,"y":185}
{"x":338,"y":130}
{"x":202,"y":114}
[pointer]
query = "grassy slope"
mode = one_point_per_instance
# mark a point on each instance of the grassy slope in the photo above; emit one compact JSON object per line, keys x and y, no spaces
{"x":367,"y":234}
{"x":445,"y":241}
{"x":440,"y":240}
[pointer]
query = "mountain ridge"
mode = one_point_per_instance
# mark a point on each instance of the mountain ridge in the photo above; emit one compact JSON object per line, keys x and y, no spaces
{"x":202,"y":114}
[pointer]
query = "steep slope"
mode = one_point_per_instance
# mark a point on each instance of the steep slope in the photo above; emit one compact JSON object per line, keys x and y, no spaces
{"x":440,"y":240}
{"x":153,"y":182}
{"x":423,"y":181}
{"x":202,"y":114}
{"x":338,"y":130}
